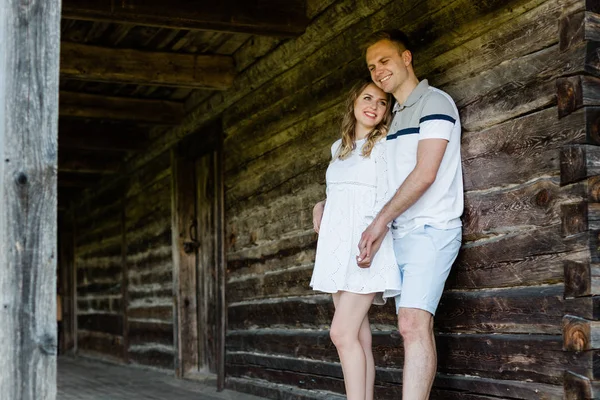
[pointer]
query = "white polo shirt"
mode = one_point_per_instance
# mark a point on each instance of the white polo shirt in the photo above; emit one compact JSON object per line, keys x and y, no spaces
{"x":428,"y":113}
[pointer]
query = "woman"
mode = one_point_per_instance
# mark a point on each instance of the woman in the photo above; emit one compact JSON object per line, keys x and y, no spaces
{"x":356,"y":191}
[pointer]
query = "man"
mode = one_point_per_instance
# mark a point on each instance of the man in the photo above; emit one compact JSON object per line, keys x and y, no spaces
{"x":423,"y":150}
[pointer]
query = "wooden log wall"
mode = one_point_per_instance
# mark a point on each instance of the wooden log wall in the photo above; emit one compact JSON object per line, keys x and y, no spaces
{"x":519,"y":316}
{"x":500,"y":322}
{"x":124,"y":270}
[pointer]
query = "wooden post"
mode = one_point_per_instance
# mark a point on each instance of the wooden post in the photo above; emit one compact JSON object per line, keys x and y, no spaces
{"x":29,"y":71}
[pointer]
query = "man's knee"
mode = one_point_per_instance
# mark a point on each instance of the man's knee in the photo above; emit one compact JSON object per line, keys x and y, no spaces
{"x":414,"y":324}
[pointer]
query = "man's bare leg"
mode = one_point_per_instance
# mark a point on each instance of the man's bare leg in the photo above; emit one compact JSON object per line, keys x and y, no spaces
{"x":420,"y":358}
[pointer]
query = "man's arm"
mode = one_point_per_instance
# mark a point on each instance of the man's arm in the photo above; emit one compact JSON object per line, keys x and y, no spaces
{"x":430,"y":153}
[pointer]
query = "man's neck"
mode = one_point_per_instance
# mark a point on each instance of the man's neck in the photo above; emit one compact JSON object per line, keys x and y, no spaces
{"x":406,"y":89}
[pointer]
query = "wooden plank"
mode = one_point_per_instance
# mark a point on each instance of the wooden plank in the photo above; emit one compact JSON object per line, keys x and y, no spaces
{"x":581,"y":279}
{"x":84,"y":105}
{"x":184,"y":213}
{"x":127,"y":66}
{"x":142,"y":333}
{"x":578,"y":27}
{"x":105,"y":323}
{"x":578,"y":162}
{"x":29,"y":38}
{"x":100,"y":345}
{"x":538,"y":358}
{"x":255,"y":17}
{"x":584,"y":307}
{"x":153,"y":358}
{"x":580,"y":334}
{"x":74,"y":134}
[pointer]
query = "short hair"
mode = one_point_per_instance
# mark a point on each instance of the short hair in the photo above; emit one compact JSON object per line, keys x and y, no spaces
{"x":395,"y":36}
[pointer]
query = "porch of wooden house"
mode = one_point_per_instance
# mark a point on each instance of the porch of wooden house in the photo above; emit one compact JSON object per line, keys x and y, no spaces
{"x":192,"y":145}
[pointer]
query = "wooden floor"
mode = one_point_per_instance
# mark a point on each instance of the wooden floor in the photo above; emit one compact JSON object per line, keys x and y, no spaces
{"x":84,"y":379}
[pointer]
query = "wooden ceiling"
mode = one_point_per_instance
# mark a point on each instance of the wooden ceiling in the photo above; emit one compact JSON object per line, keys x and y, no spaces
{"x":128,"y":66}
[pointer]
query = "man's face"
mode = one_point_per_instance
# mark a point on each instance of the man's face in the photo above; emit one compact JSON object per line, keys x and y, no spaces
{"x":387,"y":65}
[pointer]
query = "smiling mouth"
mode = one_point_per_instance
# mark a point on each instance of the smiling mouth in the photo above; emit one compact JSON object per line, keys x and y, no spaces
{"x":370,"y":114}
{"x":385,"y":79}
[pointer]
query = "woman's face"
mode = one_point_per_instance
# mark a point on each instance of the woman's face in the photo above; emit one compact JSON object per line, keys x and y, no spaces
{"x":370,"y":106}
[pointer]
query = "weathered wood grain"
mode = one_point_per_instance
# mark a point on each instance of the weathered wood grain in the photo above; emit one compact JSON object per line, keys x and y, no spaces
{"x":581,"y":279}
{"x":514,"y":357}
{"x":310,"y":374}
{"x":100,"y":345}
{"x":84,"y":105}
{"x":517,"y":310}
{"x":256,"y":17}
{"x":127,"y":66}
{"x":29,"y":37}
{"x":584,"y":307}
{"x":521,"y":149}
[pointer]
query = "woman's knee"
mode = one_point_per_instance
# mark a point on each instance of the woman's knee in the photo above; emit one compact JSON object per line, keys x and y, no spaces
{"x":340,"y":337}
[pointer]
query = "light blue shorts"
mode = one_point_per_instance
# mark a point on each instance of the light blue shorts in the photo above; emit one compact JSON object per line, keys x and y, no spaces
{"x":424,"y":258}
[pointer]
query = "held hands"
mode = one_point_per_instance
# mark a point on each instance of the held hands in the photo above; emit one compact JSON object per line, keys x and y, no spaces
{"x":318,"y":210}
{"x":370,"y":241}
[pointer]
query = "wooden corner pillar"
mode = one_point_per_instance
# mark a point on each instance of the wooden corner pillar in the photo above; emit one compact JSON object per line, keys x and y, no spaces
{"x":578,"y":93}
{"x":29,"y":71}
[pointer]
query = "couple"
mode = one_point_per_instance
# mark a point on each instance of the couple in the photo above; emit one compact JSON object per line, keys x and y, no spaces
{"x":407,"y":178}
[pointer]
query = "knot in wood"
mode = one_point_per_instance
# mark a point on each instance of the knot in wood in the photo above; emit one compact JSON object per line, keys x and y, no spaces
{"x":47,"y":344}
{"x":22,"y":179}
{"x":543,"y":197}
{"x":578,"y":340}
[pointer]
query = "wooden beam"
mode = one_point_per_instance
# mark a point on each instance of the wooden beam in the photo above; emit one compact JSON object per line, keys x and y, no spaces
{"x":578,"y":162}
{"x":29,"y":64}
{"x":574,"y":92}
{"x":120,"y":109}
{"x":580,"y":334}
{"x":102,"y":64}
{"x":76,"y":134}
{"x":88,"y":163}
{"x":260,"y":17}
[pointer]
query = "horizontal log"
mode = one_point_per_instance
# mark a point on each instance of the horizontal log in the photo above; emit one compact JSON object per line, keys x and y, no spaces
{"x":580,"y":334}
{"x":536,"y":257}
{"x":105,"y":323}
{"x":288,"y":282}
{"x":84,"y":105}
{"x":519,"y":310}
{"x":386,"y":379}
{"x":537,"y":203}
{"x":85,"y":162}
{"x":254,"y":17}
{"x":522,"y":149}
{"x":581,"y":279}
{"x":106,"y":137}
{"x":577,"y":91}
{"x":127,"y":66}
{"x":578,"y":27}
{"x":163,"y":313}
{"x":152,"y":358}
{"x":539,"y":358}
{"x":584,"y":307}
{"x":578,"y":387}
{"x":100,"y":345}
{"x":271,"y":390}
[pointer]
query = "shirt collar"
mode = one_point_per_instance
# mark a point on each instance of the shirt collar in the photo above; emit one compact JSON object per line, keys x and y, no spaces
{"x":414,"y":96}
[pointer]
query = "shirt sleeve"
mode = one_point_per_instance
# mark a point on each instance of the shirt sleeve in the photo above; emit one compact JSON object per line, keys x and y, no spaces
{"x":335,"y":147}
{"x":438,"y":118}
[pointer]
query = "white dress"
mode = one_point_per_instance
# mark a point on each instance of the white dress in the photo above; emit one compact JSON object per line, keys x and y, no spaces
{"x":357,"y":189}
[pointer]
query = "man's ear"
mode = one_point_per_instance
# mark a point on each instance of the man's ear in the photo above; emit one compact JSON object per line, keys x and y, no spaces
{"x":407,"y":57}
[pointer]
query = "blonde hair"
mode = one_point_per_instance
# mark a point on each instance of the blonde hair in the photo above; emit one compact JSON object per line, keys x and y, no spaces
{"x":348,"y":127}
